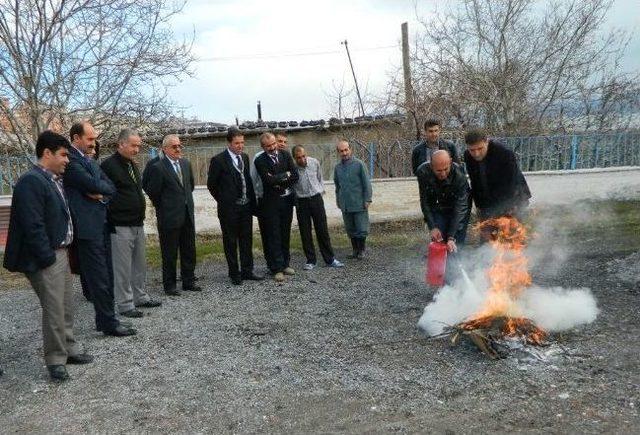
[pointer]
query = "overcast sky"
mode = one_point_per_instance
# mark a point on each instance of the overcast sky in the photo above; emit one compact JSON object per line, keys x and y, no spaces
{"x":287,"y":53}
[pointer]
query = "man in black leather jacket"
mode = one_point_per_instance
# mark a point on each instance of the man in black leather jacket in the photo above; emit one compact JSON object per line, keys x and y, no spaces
{"x":444,"y":199}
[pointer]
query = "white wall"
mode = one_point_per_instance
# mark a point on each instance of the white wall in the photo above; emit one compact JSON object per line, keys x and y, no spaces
{"x":397,"y":198}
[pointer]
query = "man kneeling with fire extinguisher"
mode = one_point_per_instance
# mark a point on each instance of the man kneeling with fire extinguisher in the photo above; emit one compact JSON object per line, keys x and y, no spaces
{"x":445,"y":200}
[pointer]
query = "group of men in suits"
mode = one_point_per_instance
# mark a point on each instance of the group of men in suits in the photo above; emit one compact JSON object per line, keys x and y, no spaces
{"x":70,"y":213}
{"x":269,"y":188}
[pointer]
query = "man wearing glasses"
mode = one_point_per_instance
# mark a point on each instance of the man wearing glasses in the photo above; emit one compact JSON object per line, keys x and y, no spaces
{"x":169,"y":184}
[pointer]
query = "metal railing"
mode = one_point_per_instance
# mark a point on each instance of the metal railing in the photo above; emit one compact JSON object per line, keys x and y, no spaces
{"x":392,"y":159}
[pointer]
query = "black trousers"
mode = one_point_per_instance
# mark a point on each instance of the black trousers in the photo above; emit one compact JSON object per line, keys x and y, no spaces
{"x":94,"y":259}
{"x":277,"y":214}
{"x":172,"y":240}
{"x":236,"y":222}
{"x":442,"y":220}
{"x":311,"y":210}
{"x":262,"y":224}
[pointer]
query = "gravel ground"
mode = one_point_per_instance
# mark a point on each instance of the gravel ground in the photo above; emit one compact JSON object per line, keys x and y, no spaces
{"x":328,"y":351}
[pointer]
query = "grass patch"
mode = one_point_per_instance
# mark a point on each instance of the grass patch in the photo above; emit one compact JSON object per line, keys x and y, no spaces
{"x":613,"y":223}
{"x":209,"y":246}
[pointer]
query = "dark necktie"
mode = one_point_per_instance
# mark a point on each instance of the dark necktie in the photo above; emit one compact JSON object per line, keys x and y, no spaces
{"x":240,"y":164}
{"x":178,"y":171}
{"x":132,"y":173}
{"x":274,"y":157}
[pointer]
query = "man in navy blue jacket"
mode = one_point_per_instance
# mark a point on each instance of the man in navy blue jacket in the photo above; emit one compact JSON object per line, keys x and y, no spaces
{"x":40,"y":232}
{"x":89,"y":191}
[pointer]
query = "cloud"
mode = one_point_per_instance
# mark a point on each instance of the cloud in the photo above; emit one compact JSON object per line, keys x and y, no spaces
{"x":228,"y":80}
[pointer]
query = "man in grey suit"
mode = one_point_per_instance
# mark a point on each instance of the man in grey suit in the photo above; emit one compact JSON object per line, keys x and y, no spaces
{"x":353,"y":197}
{"x":169,"y":184}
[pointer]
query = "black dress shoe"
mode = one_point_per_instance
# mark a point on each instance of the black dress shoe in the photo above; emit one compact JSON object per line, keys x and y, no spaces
{"x":81,"y":358}
{"x":195,"y":288}
{"x":252,"y":277}
{"x":173,"y":292}
{"x":151,"y":303}
{"x":58,"y":372}
{"x":236,"y":280}
{"x":134,"y":314}
{"x":120,"y":331}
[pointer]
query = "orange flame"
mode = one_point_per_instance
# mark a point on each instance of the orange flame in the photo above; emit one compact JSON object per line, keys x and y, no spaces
{"x":508,"y":276}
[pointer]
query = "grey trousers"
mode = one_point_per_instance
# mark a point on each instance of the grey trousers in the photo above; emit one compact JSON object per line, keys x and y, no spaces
{"x":53,"y":286}
{"x":356,"y":223}
{"x":129,"y":267}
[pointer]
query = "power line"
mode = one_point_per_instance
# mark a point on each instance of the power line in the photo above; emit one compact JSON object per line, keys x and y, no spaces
{"x":280,"y":55}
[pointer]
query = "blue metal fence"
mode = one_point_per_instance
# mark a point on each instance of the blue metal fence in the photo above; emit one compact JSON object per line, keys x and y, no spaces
{"x":393,"y":158}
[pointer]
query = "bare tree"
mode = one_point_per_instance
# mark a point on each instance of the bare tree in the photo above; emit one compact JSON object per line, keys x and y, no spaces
{"x":109,"y":61}
{"x":337,"y":97}
{"x":519,"y":66}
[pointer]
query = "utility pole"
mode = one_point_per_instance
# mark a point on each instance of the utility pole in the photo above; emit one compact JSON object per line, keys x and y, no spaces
{"x":346,"y":46}
{"x":408,"y":86}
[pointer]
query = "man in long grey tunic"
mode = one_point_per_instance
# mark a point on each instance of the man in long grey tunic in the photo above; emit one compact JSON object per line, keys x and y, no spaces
{"x":353,"y":197}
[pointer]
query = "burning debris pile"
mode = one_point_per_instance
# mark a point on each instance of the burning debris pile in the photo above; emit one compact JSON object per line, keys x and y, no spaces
{"x":508,"y":276}
{"x":504,"y":308}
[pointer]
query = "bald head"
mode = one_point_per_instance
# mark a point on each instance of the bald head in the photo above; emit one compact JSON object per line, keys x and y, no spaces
{"x":441,"y":164}
{"x":268,"y":143}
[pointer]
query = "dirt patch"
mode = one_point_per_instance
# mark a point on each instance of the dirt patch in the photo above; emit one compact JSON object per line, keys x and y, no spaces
{"x":331,"y":350}
{"x":627,"y":269}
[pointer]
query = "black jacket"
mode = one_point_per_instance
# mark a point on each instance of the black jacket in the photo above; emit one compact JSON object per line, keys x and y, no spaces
{"x":224,"y":182}
{"x":173,"y":201}
{"x":274,"y":177}
{"x":128,"y":205}
{"x":145,"y":172}
{"x":505,"y":189}
{"x":419,"y":153}
{"x":38,"y":223}
{"x":449,"y":196}
{"x":81,"y":177}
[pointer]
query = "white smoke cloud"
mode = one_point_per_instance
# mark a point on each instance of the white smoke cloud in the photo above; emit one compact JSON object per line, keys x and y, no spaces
{"x":548,"y":252}
{"x":553,"y":309}
{"x":558,"y":309}
{"x":451,"y":305}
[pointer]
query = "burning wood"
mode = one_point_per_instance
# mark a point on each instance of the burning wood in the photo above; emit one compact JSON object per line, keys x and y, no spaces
{"x":499,"y":317}
{"x":491,"y":334}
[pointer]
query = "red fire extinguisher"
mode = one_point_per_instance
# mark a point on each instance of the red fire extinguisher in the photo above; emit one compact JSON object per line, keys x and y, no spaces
{"x":436,"y":264}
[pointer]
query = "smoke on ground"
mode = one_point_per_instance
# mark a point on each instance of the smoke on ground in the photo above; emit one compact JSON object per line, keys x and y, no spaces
{"x":553,"y":309}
